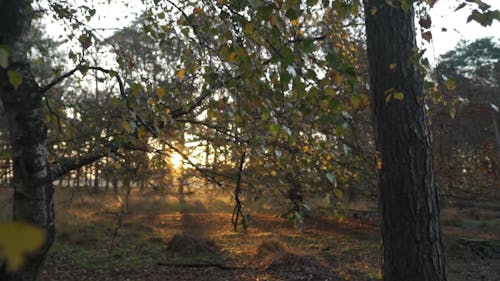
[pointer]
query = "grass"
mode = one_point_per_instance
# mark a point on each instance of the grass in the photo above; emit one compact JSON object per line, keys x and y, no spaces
{"x":85,"y":231}
{"x":94,"y":234}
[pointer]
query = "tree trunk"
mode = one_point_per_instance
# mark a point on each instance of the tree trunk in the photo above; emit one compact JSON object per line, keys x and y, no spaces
{"x":33,"y":188}
{"x":97,"y":168}
{"x":411,"y":232}
{"x":77,"y":179}
{"x":495,"y":130}
{"x":115,"y":184}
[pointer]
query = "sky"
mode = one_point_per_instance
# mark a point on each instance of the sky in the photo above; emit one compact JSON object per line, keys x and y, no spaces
{"x":443,"y":16}
{"x":120,"y":13}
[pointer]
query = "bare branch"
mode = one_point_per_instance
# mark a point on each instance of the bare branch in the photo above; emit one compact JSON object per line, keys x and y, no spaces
{"x":67,"y":165}
{"x":58,"y":80}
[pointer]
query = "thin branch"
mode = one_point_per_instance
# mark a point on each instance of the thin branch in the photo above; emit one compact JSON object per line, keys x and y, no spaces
{"x":181,"y":111}
{"x":195,"y":29}
{"x":297,"y":40}
{"x":49,"y":107}
{"x":195,"y":166}
{"x":59,"y":79}
{"x":218,"y":129}
{"x":69,"y":164}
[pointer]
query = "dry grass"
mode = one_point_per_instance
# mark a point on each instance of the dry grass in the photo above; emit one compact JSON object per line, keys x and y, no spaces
{"x":91,"y":237}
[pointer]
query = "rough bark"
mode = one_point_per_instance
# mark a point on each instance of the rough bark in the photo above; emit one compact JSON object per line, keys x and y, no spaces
{"x":411,"y":232}
{"x":32,"y":200}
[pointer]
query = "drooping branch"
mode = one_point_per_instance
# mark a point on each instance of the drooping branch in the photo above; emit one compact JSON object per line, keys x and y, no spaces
{"x":59,"y":79}
{"x":69,"y":164}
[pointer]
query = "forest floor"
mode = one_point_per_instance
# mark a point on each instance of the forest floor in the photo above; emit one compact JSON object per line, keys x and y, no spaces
{"x":159,"y":238}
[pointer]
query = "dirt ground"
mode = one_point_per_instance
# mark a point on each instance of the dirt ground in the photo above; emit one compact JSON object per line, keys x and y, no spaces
{"x":158,"y":238}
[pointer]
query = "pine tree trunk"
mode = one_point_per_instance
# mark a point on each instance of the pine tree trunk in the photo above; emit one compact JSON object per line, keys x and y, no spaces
{"x":411,"y":232}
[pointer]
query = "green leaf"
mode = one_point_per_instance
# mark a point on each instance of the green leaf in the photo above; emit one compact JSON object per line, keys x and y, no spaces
{"x":18,"y":239}
{"x":356,"y":101}
{"x":248,"y":28}
{"x":288,"y":55}
{"x":450,"y":84}
{"x":274,"y":129}
{"x":406,"y":4}
{"x":127,"y":126}
{"x":4,"y":58}
{"x":338,"y":193}
{"x":461,"y":6}
{"x":484,"y":19}
{"x":85,"y":41}
{"x":308,"y":46}
{"x":15,"y":78}
{"x":113,"y":73}
{"x":256,"y":3}
{"x":330,"y":176}
{"x":333,"y":60}
{"x":136,"y":88}
{"x":292,"y":14}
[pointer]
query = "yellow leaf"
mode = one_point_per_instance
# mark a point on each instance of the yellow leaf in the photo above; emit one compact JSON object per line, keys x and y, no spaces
{"x":335,"y":76}
{"x":141,"y":134}
{"x":152,"y":102}
{"x":160,"y":92}
{"x":197,"y":10}
{"x":294,"y":22}
{"x":4,"y":58}
{"x":248,"y":28}
{"x":450,"y":84}
{"x":392,"y":66}
{"x":126,"y":126}
{"x":306,"y":149}
{"x":378,"y":159}
{"x":18,"y":239}
{"x":273,"y":173}
{"x":373,"y":11}
{"x":181,"y":73}
{"x":399,"y":96}
{"x":330,"y":91}
{"x":356,"y":101}
{"x":388,"y":98}
{"x":274,"y":19}
{"x":15,"y":78}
